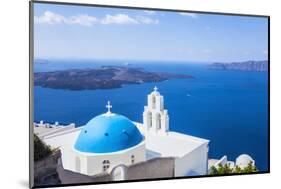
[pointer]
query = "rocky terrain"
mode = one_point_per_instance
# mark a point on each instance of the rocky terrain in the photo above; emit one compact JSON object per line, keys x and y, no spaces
{"x":259,"y":66}
{"x":106,"y":77}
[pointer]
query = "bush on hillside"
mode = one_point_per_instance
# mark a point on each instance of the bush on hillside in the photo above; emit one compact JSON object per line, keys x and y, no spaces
{"x":41,"y":150}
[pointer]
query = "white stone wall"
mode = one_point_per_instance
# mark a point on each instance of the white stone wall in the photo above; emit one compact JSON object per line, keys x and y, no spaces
{"x":92,"y":164}
{"x":193,"y":163}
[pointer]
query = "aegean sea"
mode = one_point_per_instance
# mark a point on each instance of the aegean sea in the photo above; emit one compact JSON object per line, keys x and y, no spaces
{"x":228,"y":107}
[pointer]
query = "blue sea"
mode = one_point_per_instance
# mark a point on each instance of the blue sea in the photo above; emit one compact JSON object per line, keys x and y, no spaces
{"x":230,"y":108}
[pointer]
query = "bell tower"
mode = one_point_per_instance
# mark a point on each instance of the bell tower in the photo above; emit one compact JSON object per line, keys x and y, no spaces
{"x":155,"y":117}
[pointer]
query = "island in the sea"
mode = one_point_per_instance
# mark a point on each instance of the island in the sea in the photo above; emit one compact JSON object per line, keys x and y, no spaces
{"x":259,"y":66}
{"x":40,"y":61}
{"x":106,"y":77}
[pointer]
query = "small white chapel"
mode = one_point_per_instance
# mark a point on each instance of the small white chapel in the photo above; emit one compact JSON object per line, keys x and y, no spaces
{"x":112,"y":144}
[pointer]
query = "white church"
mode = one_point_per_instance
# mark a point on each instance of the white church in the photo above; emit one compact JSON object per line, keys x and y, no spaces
{"x":111,"y":143}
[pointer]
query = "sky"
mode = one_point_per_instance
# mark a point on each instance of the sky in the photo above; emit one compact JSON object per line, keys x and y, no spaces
{"x":82,"y":32}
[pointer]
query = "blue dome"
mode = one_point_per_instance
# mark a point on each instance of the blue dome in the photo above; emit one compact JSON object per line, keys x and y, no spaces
{"x":108,"y":133}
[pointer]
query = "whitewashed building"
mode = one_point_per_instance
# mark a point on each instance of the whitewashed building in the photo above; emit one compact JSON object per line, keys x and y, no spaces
{"x":110,"y":142}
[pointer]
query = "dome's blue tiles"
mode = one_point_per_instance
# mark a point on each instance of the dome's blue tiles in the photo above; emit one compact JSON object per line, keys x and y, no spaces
{"x":105,"y":134}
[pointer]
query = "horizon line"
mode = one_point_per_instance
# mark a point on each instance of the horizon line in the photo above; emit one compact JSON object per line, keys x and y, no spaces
{"x":154,"y":60}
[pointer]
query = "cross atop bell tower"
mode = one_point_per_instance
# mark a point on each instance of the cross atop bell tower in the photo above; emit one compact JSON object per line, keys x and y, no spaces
{"x":155,"y":88}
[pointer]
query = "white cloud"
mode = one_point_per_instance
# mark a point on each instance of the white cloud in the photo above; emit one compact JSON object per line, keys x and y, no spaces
{"x":118,"y":19}
{"x":82,"y":19}
{"x":125,"y":19}
{"x":192,"y":15}
{"x":85,"y":20}
{"x":52,"y":18}
{"x":150,"y":12}
{"x":147,"y":20}
{"x":49,"y":18}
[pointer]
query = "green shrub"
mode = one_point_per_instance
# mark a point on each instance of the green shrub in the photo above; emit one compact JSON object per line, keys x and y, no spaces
{"x":226,"y":169}
{"x":41,"y":150}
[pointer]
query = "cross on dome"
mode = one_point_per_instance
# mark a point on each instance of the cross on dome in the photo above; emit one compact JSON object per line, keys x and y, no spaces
{"x":155,"y":88}
{"x":108,"y":106}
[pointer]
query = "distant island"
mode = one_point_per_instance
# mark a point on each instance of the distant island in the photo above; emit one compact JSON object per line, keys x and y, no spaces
{"x":106,"y":77}
{"x":259,"y":66}
{"x":40,"y":61}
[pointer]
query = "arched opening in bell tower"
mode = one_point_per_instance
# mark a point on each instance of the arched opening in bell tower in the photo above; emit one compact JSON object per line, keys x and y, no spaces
{"x":153,"y":101}
{"x":149,"y":119}
{"x":158,"y":121}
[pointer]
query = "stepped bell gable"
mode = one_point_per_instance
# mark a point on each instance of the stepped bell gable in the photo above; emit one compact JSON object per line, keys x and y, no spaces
{"x":155,"y":117}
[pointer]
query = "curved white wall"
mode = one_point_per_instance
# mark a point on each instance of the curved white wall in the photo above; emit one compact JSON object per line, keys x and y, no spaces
{"x":92,"y":163}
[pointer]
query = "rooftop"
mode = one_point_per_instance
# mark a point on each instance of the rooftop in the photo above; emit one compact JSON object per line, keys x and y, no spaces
{"x":156,"y":145}
{"x":180,"y":144}
{"x":108,"y":133}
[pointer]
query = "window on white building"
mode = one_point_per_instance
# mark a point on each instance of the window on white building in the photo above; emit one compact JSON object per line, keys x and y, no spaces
{"x":132,"y":159}
{"x":105,"y":165}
